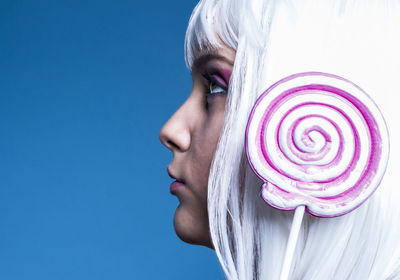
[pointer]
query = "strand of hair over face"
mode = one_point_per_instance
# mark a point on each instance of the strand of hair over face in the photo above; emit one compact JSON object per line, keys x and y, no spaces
{"x":358,"y":40}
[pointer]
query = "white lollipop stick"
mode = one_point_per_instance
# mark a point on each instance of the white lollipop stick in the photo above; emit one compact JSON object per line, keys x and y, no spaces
{"x":320,"y":144}
{"x":291,"y":245}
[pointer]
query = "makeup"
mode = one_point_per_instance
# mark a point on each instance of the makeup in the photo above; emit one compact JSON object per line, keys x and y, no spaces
{"x":226,"y":74}
{"x":175,"y":186}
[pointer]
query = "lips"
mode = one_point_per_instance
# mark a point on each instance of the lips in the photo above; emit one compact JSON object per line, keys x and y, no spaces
{"x":170,"y":174}
{"x":176,"y":184}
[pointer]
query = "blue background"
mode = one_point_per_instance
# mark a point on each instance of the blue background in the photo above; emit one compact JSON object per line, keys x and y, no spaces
{"x":85,"y":87}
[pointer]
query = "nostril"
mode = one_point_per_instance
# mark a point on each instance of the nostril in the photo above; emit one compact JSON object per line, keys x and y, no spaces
{"x":167,"y":142}
{"x":171,"y":145}
{"x":163,"y":137}
{"x":175,"y":134}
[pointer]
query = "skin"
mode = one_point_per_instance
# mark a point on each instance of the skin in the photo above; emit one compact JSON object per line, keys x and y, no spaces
{"x":192,"y":135}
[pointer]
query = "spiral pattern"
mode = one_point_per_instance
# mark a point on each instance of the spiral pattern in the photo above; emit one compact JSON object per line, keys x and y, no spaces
{"x":317,"y":140}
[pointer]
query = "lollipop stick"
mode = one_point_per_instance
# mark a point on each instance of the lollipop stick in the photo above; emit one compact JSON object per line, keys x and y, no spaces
{"x":291,"y":245}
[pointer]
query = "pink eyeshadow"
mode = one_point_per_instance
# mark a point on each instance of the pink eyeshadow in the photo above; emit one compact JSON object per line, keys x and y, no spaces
{"x":226,"y":74}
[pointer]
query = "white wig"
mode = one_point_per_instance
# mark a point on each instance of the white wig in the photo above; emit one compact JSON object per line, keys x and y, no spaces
{"x":356,"y":39}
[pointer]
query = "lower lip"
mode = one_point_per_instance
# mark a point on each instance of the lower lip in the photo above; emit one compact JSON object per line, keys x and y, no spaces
{"x":175,"y":185}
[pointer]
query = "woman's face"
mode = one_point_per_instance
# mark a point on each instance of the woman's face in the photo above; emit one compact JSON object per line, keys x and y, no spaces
{"x":192,"y":134}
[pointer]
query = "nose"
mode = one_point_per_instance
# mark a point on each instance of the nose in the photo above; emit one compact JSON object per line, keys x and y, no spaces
{"x":175,"y":134}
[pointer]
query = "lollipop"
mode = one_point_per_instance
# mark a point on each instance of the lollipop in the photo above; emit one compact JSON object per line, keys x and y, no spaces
{"x":319,"y":143}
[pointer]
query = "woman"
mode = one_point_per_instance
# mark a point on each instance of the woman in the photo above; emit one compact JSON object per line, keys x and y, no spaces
{"x":235,"y":50}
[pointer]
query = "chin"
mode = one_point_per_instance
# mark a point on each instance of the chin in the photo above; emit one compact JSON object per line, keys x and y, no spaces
{"x":192,"y":229}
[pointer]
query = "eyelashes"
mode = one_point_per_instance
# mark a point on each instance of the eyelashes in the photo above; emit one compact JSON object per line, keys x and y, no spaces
{"x":215,"y":84}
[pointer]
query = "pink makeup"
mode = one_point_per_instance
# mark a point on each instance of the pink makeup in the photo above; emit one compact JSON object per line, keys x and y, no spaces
{"x":226,"y":74}
{"x":175,"y":186}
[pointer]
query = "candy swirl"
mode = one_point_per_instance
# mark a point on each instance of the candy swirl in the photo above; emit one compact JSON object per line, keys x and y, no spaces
{"x":317,"y":140}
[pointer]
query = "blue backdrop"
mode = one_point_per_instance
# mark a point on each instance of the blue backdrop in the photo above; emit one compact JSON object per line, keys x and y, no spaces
{"x":85,"y":87}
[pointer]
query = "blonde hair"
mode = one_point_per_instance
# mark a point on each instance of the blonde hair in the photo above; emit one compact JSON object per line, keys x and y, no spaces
{"x":358,"y":40}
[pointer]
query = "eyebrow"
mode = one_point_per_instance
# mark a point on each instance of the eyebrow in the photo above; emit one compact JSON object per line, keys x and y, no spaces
{"x":206,"y":56}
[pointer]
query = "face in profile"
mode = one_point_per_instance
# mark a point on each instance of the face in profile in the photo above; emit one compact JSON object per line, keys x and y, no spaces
{"x":192,"y":135}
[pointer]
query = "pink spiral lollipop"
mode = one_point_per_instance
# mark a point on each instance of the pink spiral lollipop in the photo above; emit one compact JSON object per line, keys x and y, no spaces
{"x":317,"y":140}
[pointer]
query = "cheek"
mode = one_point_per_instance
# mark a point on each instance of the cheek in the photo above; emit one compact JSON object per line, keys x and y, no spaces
{"x":206,"y":142}
{"x":203,"y":152}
